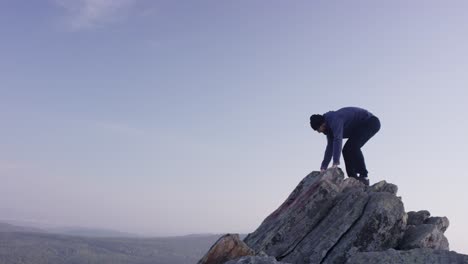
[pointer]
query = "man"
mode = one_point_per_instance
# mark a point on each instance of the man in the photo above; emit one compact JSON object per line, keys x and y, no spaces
{"x":356,"y":124}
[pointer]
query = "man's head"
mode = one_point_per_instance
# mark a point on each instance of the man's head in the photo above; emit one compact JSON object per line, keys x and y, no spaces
{"x":317,"y":122}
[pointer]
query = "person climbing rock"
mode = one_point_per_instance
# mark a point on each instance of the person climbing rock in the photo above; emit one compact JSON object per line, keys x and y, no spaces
{"x":357,"y":125}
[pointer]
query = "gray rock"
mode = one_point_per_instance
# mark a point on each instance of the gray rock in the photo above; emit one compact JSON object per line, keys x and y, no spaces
{"x":317,"y":243}
{"x":424,"y":236}
{"x":380,"y":227}
{"x":330,"y":219}
{"x":255,"y":260}
{"x":307,"y":205}
{"x":383,"y":186}
{"x":442,"y":223}
{"x":414,"y":256}
{"x":228,"y":247}
{"x":418,"y":218}
{"x":351,"y":184}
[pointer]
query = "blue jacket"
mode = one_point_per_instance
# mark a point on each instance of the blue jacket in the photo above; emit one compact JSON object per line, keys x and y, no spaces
{"x":340,"y":124}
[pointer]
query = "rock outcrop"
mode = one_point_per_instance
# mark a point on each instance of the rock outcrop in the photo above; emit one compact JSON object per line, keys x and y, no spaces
{"x":329,"y":219}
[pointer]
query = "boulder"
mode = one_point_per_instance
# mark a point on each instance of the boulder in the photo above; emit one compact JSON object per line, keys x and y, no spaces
{"x":228,"y":247}
{"x":424,"y":236}
{"x":383,"y":186}
{"x":442,"y":223}
{"x":418,"y":218}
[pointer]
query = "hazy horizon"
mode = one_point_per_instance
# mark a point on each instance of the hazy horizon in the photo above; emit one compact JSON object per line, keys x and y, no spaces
{"x":47,"y":227}
{"x":185,"y":117}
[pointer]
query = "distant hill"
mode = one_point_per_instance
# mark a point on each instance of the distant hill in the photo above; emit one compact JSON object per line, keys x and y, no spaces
{"x":41,"y":248}
{"x":5,"y":227}
{"x":23,"y":226}
{"x":89,"y":232}
{"x":76,"y":245}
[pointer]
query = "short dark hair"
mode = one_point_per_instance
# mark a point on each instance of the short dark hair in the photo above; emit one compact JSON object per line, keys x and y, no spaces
{"x":316,"y":121}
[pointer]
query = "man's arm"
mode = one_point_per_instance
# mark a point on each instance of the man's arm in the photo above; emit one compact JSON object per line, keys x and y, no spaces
{"x":337,"y":128}
{"x":328,"y":153}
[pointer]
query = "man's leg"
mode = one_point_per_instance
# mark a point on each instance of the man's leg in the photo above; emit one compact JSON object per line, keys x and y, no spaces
{"x":359,"y":138}
{"x":348,"y":156}
{"x":355,"y":159}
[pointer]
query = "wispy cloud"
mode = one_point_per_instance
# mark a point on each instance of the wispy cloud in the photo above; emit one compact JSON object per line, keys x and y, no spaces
{"x":86,"y":14}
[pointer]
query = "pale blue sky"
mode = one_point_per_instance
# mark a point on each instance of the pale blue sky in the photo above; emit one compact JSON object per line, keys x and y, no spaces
{"x":176,"y":117}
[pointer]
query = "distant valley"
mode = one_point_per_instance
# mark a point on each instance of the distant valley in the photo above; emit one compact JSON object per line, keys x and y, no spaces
{"x":28,"y":245}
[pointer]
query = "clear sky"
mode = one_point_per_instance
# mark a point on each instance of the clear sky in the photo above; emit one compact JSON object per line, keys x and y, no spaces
{"x":177,"y":117}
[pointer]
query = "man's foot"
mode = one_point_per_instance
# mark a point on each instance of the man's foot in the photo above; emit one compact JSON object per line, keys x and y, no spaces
{"x":364,"y":180}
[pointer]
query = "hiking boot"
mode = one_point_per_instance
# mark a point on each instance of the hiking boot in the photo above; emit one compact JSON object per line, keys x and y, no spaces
{"x":364,"y":180}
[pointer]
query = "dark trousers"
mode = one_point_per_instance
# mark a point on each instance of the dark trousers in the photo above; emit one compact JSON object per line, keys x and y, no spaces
{"x":352,"y":154}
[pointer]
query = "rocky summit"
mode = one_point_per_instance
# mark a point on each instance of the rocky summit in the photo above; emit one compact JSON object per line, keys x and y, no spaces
{"x":330,"y":219}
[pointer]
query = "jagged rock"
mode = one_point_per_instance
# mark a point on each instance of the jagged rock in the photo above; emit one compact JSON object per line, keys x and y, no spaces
{"x":424,"y":236}
{"x":442,"y":223}
{"x":255,"y":260}
{"x":228,"y":247}
{"x":418,"y":218}
{"x":327,"y":218}
{"x":414,"y":256}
